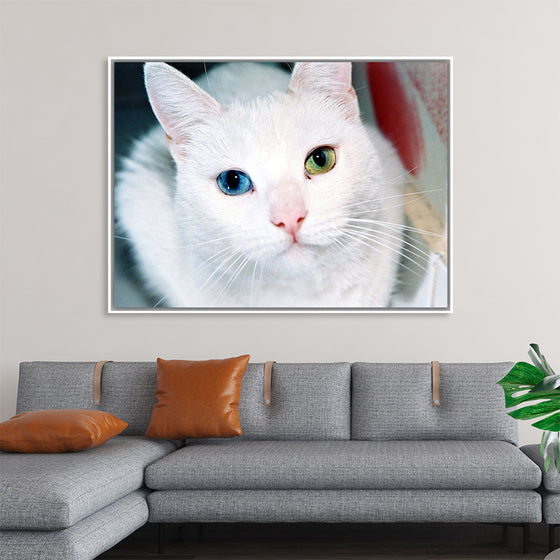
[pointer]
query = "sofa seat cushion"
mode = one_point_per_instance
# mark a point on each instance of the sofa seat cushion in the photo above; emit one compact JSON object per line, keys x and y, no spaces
{"x":321,"y":465}
{"x":54,"y":491}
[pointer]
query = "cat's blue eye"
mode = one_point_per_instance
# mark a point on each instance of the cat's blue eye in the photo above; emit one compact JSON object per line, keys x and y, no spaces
{"x":234,"y":182}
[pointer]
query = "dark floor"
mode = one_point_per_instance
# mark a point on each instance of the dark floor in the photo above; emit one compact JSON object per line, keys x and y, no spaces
{"x":330,"y":542}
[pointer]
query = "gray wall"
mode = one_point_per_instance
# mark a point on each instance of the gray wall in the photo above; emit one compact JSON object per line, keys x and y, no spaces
{"x":54,"y":177}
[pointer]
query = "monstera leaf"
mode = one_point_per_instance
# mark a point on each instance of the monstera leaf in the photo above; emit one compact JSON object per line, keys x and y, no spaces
{"x":526,"y":383}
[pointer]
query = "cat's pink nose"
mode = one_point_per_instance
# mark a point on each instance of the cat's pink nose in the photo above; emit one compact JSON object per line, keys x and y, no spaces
{"x":290,"y":221}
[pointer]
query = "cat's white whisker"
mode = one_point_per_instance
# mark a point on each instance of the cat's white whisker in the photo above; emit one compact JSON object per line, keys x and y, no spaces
{"x":403,"y":251}
{"x":240,"y":257}
{"x":397,"y":226}
{"x":410,"y":229}
{"x":388,"y":244}
{"x":345,"y":248}
{"x":236,"y":273}
{"x":397,"y":178}
{"x":381,"y":198}
{"x":415,"y":250}
{"x":261,"y":270}
{"x":210,"y":259}
{"x":377,"y":234}
{"x":235,"y":255}
{"x":377,"y":247}
{"x":208,"y":82}
{"x":406,"y":203}
{"x":214,"y":240}
{"x":240,"y":269}
{"x":407,"y":252}
{"x":253,"y":281}
{"x":158,"y":301}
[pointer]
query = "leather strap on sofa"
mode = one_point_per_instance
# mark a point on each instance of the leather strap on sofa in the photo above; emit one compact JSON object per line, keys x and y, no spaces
{"x":97,"y":371}
{"x":267,"y":392}
{"x":435,"y":384}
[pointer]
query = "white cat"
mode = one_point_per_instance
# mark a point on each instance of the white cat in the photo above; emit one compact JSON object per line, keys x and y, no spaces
{"x":267,"y":191}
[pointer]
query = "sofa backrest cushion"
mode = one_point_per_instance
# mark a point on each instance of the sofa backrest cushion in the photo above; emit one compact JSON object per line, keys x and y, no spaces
{"x":127,"y":389}
{"x":45,"y":385}
{"x":309,"y":401}
{"x":394,"y":402}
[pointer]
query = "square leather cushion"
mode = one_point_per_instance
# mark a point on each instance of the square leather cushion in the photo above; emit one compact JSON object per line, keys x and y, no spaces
{"x":58,"y":430}
{"x":197,"y":399}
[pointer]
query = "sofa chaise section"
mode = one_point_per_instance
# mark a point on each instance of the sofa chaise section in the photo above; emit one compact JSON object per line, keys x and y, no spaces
{"x":74,"y":506}
{"x":85,"y":540}
{"x":44,"y":491}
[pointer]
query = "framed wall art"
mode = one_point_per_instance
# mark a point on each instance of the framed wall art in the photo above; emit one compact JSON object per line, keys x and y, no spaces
{"x":279,"y":185}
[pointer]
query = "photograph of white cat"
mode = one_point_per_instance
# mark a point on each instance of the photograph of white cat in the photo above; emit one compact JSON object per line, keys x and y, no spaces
{"x":261,"y":188}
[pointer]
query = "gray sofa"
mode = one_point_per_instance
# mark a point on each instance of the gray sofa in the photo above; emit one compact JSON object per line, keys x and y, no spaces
{"x":340,"y":442}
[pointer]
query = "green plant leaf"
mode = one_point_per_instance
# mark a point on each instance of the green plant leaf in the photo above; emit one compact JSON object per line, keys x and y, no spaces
{"x":537,"y":357}
{"x":556,"y":452}
{"x":550,"y":448}
{"x":546,"y":384}
{"x":550,"y":423}
{"x":526,"y":383}
{"x":548,"y":368}
{"x":515,"y":397}
{"x":546,"y":439}
{"x":535,"y":410}
{"x":522,"y":375}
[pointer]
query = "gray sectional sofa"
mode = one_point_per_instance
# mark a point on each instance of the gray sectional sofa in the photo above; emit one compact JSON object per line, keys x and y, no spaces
{"x":340,"y":442}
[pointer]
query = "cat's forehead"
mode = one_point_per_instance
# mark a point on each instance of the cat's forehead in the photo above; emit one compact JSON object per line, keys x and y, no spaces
{"x":282,"y":122}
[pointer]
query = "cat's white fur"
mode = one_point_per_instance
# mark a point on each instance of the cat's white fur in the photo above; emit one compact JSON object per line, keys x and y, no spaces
{"x":198,"y":247}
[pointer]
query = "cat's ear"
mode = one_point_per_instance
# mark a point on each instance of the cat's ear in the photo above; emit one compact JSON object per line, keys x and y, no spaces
{"x":178,"y":103}
{"x":331,"y":79}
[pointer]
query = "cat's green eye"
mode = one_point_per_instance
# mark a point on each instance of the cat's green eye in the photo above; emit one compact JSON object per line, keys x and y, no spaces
{"x":320,"y":160}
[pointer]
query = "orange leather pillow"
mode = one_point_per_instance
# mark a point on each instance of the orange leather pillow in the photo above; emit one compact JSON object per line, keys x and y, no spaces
{"x":197,"y":399}
{"x":58,"y":431}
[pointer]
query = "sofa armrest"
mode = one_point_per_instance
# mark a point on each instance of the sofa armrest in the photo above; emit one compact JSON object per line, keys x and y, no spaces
{"x":551,"y":479}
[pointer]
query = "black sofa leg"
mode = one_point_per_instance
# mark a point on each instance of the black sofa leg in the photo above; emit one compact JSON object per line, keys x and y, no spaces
{"x":551,"y":543}
{"x":525,"y":538}
{"x":161,"y":538}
